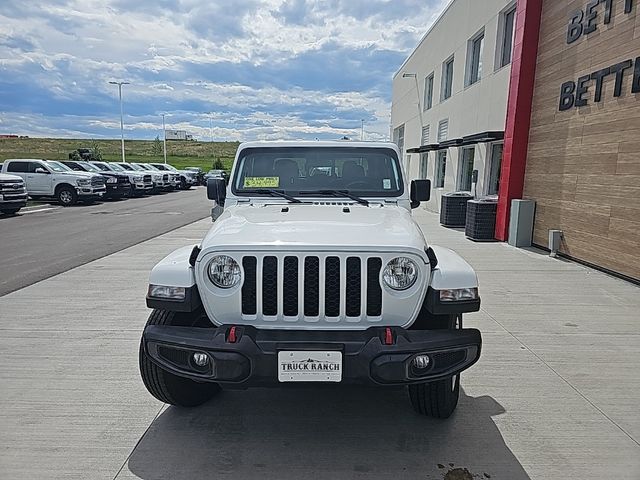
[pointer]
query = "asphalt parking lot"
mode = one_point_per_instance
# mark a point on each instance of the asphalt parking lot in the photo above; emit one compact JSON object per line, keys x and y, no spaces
{"x":72,"y":236}
{"x":554,"y":396}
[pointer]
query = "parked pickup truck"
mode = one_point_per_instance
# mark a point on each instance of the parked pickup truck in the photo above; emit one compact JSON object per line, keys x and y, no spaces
{"x":312,"y":278}
{"x":48,"y":180}
{"x":118,"y":184}
{"x":185,"y":178}
{"x":141,"y":182}
{"x":163,"y":181}
{"x":13,"y":194}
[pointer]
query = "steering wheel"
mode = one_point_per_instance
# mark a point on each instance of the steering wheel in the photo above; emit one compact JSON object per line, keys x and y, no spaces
{"x":363,"y":183}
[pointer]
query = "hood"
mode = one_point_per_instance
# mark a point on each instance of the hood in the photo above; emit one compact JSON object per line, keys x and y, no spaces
{"x":316,"y":227}
{"x":80,"y":174}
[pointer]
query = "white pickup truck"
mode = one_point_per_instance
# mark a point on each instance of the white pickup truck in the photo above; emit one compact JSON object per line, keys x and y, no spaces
{"x":13,"y":194}
{"x":314,"y":271}
{"x":48,"y":180}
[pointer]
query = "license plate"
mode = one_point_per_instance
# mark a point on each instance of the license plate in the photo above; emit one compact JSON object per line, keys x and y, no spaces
{"x":309,"y":366}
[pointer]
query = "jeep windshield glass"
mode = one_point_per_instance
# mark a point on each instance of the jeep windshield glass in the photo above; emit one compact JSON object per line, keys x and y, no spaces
{"x":327,"y":171}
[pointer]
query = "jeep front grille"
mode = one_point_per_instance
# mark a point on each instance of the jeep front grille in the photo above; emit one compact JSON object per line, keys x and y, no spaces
{"x":310,"y":286}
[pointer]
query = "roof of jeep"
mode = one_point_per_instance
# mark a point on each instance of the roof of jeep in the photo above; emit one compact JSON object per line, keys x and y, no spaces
{"x":317,"y":143}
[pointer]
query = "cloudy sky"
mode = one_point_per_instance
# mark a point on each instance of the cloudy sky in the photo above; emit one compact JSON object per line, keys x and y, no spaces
{"x":266,"y":69}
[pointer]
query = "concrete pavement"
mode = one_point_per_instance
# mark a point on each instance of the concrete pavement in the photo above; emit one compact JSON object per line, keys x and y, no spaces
{"x":45,"y":241}
{"x":555,"y":394}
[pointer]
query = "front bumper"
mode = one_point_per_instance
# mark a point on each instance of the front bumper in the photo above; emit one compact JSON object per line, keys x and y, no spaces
{"x":91,"y":192}
{"x":13,"y":200}
{"x":253,"y":359}
{"x":118,"y":189}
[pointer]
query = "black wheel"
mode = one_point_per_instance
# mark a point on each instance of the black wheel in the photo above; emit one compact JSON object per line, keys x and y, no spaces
{"x":436,"y":399}
{"x":66,"y":196}
{"x":10,"y":211}
{"x":165,"y":386}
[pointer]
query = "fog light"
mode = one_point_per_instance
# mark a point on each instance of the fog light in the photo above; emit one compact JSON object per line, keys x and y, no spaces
{"x":421,"y":361}
{"x":200,"y":359}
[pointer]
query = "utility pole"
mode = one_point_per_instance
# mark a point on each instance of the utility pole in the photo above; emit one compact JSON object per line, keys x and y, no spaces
{"x":362,"y":130}
{"x":164,"y":140}
{"x":121,"y":115}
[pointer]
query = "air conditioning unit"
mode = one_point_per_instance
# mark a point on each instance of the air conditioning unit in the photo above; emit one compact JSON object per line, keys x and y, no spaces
{"x":453,"y":210}
{"x":481,"y":220}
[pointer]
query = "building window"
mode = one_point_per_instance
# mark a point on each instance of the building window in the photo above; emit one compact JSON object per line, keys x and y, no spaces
{"x":465,"y":171}
{"x":443,"y":130}
{"x":474,"y":59}
{"x":398,"y":137}
{"x":493,"y":183}
{"x":506,"y":32}
{"x":441,"y":168}
{"x":428,"y":92}
{"x":424,"y":164}
{"x":447,"y":79}
{"x":426,"y":133}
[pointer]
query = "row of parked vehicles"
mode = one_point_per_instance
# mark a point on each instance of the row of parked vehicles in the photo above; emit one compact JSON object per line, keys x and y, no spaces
{"x":72,"y":181}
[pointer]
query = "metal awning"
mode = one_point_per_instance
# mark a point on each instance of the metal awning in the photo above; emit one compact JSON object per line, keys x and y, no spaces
{"x":424,"y":148}
{"x":454,"y":142}
{"x":483,"y":137}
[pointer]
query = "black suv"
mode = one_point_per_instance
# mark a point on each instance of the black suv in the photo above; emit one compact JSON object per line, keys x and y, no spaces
{"x":118,"y":184}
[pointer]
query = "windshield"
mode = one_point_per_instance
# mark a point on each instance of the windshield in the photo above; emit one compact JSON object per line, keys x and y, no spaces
{"x":88,"y":167}
{"x":58,"y":167}
{"x":127,"y":167}
{"x":370,"y":172}
{"x":116,"y":168}
{"x":139,"y":168}
{"x":101,"y":166}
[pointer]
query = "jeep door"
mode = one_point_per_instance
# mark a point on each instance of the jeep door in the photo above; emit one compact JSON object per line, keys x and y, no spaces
{"x":39,"y":179}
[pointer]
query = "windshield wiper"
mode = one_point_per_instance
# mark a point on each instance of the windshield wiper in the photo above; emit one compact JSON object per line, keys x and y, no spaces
{"x":274,"y":193}
{"x":338,"y":193}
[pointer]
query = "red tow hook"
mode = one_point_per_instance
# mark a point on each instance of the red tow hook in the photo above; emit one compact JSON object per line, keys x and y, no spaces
{"x":388,"y":336}
{"x":231,"y":336}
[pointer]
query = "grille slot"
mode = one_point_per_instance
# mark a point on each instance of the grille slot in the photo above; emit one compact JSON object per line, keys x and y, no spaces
{"x":270,"y":286}
{"x":374,"y":290}
{"x":290,"y":286}
{"x":354,"y":287}
{"x":311,"y":286}
{"x":249,"y":300}
{"x":332,"y":287}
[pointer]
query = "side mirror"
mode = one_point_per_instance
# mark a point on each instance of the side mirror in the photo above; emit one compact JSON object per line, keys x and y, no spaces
{"x":217,"y":190}
{"x":41,"y":170}
{"x":420,"y":192}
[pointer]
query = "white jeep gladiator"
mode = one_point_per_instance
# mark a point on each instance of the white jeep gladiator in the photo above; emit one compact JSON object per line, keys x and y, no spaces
{"x":48,"y":180}
{"x":314,"y":271}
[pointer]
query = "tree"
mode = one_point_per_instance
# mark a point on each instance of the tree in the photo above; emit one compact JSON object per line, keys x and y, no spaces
{"x":156,"y":149}
{"x":218,"y":165}
{"x":97,"y":152}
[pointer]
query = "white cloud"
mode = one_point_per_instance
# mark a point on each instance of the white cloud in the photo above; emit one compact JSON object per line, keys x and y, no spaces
{"x":267,"y":68}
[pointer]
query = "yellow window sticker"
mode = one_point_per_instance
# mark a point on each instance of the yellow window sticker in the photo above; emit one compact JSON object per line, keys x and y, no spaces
{"x":261,"y":182}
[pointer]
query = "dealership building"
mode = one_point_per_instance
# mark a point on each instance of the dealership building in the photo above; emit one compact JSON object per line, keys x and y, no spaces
{"x":537,"y":100}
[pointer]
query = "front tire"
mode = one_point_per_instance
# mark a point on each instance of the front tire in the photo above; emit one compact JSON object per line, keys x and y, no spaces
{"x":66,"y":196}
{"x":165,"y":386}
{"x":436,"y":399}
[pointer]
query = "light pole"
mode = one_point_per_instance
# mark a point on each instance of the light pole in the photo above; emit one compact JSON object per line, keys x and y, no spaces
{"x":121,"y":121}
{"x":362,"y":130}
{"x":415,"y":78}
{"x":164,"y":140}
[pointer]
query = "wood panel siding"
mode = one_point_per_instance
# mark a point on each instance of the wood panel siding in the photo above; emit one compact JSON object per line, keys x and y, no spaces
{"x":583,"y":164}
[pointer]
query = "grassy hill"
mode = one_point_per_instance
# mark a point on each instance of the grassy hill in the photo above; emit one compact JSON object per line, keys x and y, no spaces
{"x":179,"y":154}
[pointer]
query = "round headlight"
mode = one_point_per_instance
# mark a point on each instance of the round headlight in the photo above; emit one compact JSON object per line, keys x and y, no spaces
{"x":224,"y":271}
{"x":400,"y":273}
